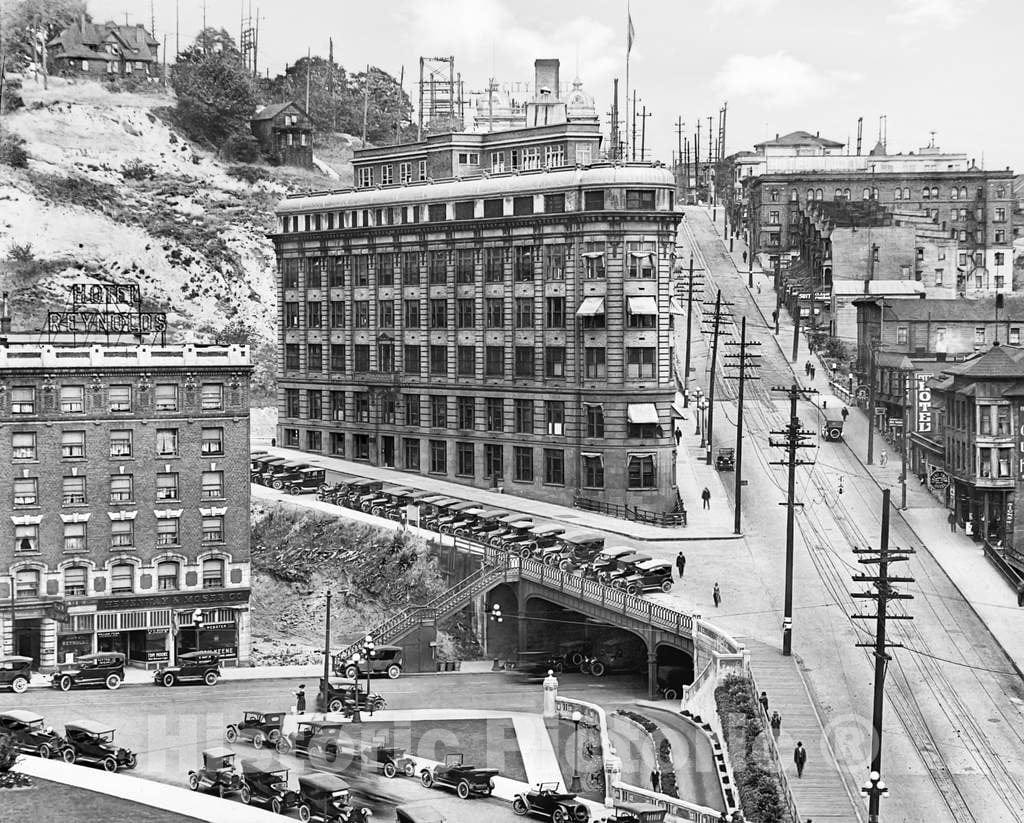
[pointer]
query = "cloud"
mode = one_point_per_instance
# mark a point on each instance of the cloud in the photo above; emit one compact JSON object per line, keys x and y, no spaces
{"x":724,"y":7}
{"x":777,"y":80}
{"x":945,"y":14}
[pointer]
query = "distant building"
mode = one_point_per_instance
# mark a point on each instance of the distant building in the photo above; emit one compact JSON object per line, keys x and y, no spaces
{"x":104,"y":50}
{"x":285,"y":133}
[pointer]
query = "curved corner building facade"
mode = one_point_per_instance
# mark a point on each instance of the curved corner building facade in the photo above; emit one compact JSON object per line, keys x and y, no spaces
{"x":509,"y":329}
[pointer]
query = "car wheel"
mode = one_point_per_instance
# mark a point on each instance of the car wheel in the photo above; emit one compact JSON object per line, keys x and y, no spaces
{"x":410,"y":770}
{"x":258,"y":739}
{"x":576,"y":659}
{"x":427,"y":779}
{"x":666,"y":586}
{"x":274,"y":736}
{"x":462,"y":790}
{"x":19,"y":685}
{"x":276,"y":806}
{"x":390,"y":770}
{"x":167,"y":680}
{"x":282,"y":746}
{"x":113,"y":681}
{"x":193,"y":782}
{"x":293,"y":490}
{"x":231,"y":734}
{"x":68,"y":755}
{"x":519,"y":806}
{"x":379,"y":704}
{"x":335,"y":706}
{"x":304,"y":813}
{"x":109,"y":764}
{"x":64,"y":684}
{"x":44,"y":751}
{"x":131,"y":761}
{"x":351,"y":672}
{"x":565,"y":565}
{"x":245,"y":795}
{"x":560,"y":815}
{"x":597,"y":668}
{"x":559,"y":667}
{"x":671,"y":694}
{"x":394,"y":671}
{"x":632,"y":589}
{"x":211,"y":678}
{"x":276,"y":484}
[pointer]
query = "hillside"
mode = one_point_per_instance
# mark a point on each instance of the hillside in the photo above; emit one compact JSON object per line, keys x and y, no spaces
{"x":112,"y":191}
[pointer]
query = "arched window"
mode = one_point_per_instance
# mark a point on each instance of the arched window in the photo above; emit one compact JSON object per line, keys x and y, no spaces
{"x":963,"y":192}
{"x":213,"y":574}
{"x":953,"y":193}
{"x":26,"y":583}
{"x":810,"y":194}
{"x":867,"y":194}
{"x":122,"y":578}
{"x":75,"y":581}
{"x":935,"y":192}
{"x":874,"y":194}
{"x":899,"y":194}
{"x":906,"y":193}
{"x":925,"y":193}
{"x":846,"y":193}
{"x":793,"y":197}
{"x":819,"y":194}
{"x":168,"y":575}
{"x":839,"y":194}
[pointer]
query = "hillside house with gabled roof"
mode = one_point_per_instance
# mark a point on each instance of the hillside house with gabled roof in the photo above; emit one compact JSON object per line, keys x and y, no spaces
{"x":285,"y":133}
{"x":104,"y":50}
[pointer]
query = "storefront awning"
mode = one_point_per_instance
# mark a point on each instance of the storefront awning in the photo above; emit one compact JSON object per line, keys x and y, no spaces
{"x":590,"y":306}
{"x":642,"y":413}
{"x":643,"y":305}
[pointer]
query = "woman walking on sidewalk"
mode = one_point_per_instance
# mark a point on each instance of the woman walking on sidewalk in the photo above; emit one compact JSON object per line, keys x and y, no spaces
{"x":716,"y":595}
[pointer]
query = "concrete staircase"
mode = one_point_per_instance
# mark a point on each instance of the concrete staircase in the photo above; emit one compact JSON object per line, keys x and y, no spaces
{"x":821,"y":794}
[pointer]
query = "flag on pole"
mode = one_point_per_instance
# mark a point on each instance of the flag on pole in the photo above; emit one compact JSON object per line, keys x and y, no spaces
{"x":630,"y":34}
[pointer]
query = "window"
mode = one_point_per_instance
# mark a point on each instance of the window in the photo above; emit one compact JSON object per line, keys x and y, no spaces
{"x":464,"y":210}
{"x":522,"y":263}
{"x":640,"y":364}
{"x":167,"y":442}
{"x":641,"y":259}
{"x":640,"y":471}
{"x":531,"y":158}
{"x":361,"y":269}
{"x":464,"y":314}
{"x":167,"y":486}
{"x":1000,"y":236}
{"x":523,"y":416}
{"x":23,"y":446}
{"x":314,"y":404}
{"x":365,"y":177}
{"x":555,"y":314}
{"x":999,"y":216}
{"x":999,"y":258}
{"x":72,"y":399}
{"x":438,"y":313}
{"x":594,"y":362}
{"x":524,"y":361}
{"x":167,"y":573}
{"x":213,"y":485}
{"x":494,"y":365}
{"x":465,"y":361}
{"x":421,"y":169}
{"x":411,"y":447}
{"x":465,"y":412}
{"x":1002,"y":420}
{"x":386,"y":175}
{"x":314,"y":314}
{"x":74,"y":581}
{"x":411,"y":313}
{"x":360,"y":447}
{"x":291,"y":438}
{"x":901,"y":335}
{"x":554,"y":467}
{"x":361,"y":407}
{"x":121,"y":488}
{"x":26,"y":538}
{"x":404,"y":172}
{"x":292,"y":403}
{"x":291,"y":356}
{"x":439,"y":360}
{"x":979,"y":336}
{"x":554,"y":156}
{"x":26,"y":491}
{"x":464,"y":460}
{"x":640,"y":199}
{"x":314,"y":357}
{"x":120,"y":398}
{"x":554,"y":361}
{"x":122,"y":534}
{"x":497,"y":162}
{"x":361,"y":314}
{"x":411,"y":359}
{"x":1015,"y":336}
{"x":292,"y":319}
{"x":593,"y":471}
{"x":554,"y":262}
{"x":593,"y":200}
{"x":554,"y":203}
{"x":524,"y":312}
{"x":72,"y":445}
{"x":438,"y":457}
{"x":23,"y":400}
{"x":73,"y":490}
{"x":522,"y":459}
{"x":471,"y":158}
{"x":554,"y":416}
{"x":386,"y":314}
{"x":212,"y":441}
{"x":436,"y":212}
{"x":938,"y":276}
{"x":212,"y":396}
{"x":494,"y":207}
{"x":494,"y":312}
{"x":494,"y":414}
{"x":410,"y":268}
{"x":494,"y":264}
{"x":213,"y":529}
{"x":465,"y":267}
{"x":338,"y":444}
{"x":213,"y":574}
{"x":439,"y":412}
{"x":26,"y":582}
{"x":522,"y":205}
{"x":584,"y":155}
{"x":595,"y":421}
{"x":593,"y":256}
{"x":773,"y":195}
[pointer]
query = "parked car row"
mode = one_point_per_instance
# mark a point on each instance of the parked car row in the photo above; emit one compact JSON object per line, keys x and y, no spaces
{"x":285,"y":475}
{"x":84,"y":741}
{"x":107,"y":669}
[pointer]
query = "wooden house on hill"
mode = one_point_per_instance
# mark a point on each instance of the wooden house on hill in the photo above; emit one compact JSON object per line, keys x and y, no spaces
{"x":285,"y":132}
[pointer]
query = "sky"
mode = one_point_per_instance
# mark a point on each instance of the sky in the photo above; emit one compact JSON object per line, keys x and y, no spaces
{"x":947,"y":66}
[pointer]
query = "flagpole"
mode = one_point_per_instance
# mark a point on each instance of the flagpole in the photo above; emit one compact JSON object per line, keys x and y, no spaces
{"x":629,"y":45}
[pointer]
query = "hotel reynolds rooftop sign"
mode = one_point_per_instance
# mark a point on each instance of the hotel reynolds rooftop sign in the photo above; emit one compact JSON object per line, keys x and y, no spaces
{"x":106,"y":308}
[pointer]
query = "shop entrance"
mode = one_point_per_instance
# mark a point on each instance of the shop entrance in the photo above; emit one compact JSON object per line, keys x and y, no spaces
{"x":387,"y":450}
{"x":27,"y":639}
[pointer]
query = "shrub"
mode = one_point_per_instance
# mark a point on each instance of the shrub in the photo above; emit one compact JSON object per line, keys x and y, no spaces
{"x":8,"y":753}
{"x":12,"y":95}
{"x":137,"y":169}
{"x":241,"y":147}
{"x":12,"y":151}
{"x":21,"y":252}
{"x":247,"y":173}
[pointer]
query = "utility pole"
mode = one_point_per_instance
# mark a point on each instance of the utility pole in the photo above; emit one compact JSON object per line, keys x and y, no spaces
{"x":744,"y":364}
{"x":696,"y":157}
{"x":177,"y":28}
{"x":796,"y":437}
{"x":366,"y":99}
{"x":309,"y":70}
{"x":633,"y":140}
{"x":327,"y":653}
{"x":716,"y":330}
{"x":796,"y":327}
{"x":679,"y":136}
{"x":643,"y":132}
{"x":616,"y":149}
{"x":875,"y":789}
{"x":692,"y":288}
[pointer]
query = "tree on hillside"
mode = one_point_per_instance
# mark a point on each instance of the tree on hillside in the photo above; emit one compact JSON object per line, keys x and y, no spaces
{"x":215,"y":93}
{"x":23,"y":23}
{"x":387,"y":105}
{"x":325,"y":98}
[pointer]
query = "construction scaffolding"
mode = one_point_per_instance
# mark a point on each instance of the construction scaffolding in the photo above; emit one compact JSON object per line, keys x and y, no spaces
{"x":441,"y":106}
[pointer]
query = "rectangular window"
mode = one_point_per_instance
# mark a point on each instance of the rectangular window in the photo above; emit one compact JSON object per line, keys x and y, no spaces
{"x":584,"y":155}
{"x":1000,"y":216}
{"x":386,"y":175}
{"x":165,"y":396}
{"x":337,"y":406}
{"x":72,"y":399}
{"x":901,"y":334}
{"x":405,"y":172}
{"x":121,"y":488}
{"x":494,"y":414}
{"x":465,"y":266}
{"x":314,"y":404}
{"x":361,"y":314}
{"x":494,"y":264}
{"x":640,"y":199}
{"x":554,"y":156}
{"x":360,"y":447}
{"x":438,"y":457}
{"x":337,"y":315}
{"x":554,"y":415}
{"x":524,"y":312}
{"x":438,"y":267}
{"x":73,"y":490}
{"x":494,"y":365}
{"x":554,"y":361}
{"x":314,"y":314}
{"x":640,"y":472}
{"x":291,"y":356}
{"x":337,"y":444}
{"x":410,"y":268}
{"x":411,"y":359}
{"x":554,"y":262}
{"x":314,"y":357}
{"x":640,"y":363}
{"x":522,"y":458}
{"x":213,"y":530}
{"x":1015,"y":336}
{"x":72,"y":445}
{"x":497,"y":162}
{"x":167,"y":442}
{"x":522,"y":205}
{"x":464,"y":313}
{"x":421,"y":169}
{"x":522,"y":259}
{"x":465,"y":412}
{"x":595,"y":421}
{"x":120,"y":398}
{"x":494,"y":312}
{"x":555,"y":313}
{"x":554,"y":467}
{"x":292,"y":403}
{"x":411,"y":311}
{"x":122,"y":534}
{"x":464,"y":210}
{"x":439,"y":412}
{"x":523,"y":416}
{"x":23,"y":400}
{"x":361,"y":269}
{"x":438,"y":313}
{"x":594,"y":362}
{"x":494,"y":461}
{"x":494,"y":207}
{"x":26,"y":491}
{"x":361,"y":407}
{"x":385,"y":357}
{"x":411,"y":447}
{"x":593,"y":200}
{"x":213,"y":570}
{"x":465,"y":357}
{"x":121,"y":443}
{"x":385,"y":314}
{"x":593,"y":257}
{"x":524,"y":363}
{"x":338,"y":357}
{"x":75,"y":581}
{"x":641,"y":258}
{"x":336,"y":269}
{"x":291,"y":438}
{"x":23,"y":446}
{"x":212,"y":485}
{"x":74,"y":535}
{"x":531,"y":158}
{"x":290,"y":269}
{"x":979,"y":336}
{"x":26,"y":539}
{"x":212,"y":396}
{"x":554,"y":203}
{"x":436,"y":212}
{"x":167,"y":486}
{"x":593,"y":471}
{"x":464,"y":460}
{"x":365,"y":177}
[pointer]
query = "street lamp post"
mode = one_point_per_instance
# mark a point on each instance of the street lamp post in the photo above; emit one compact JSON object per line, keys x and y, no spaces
{"x":325,"y":688}
{"x":702,"y":406}
{"x":697,"y":394}
{"x":369,"y":652}
{"x":874,"y":789}
{"x":575,"y":785}
{"x":355,"y":660}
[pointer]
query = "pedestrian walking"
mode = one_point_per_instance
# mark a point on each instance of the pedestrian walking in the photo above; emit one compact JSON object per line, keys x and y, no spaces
{"x":655,"y":780}
{"x":952,"y":521}
{"x":883,"y":458}
{"x":845,"y":413}
{"x":679,"y":435}
{"x":814,"y":371}
{"x":776,"y":723}
{"x":807,"y":368}
{"x":744,"y":256}
{"x":800,"y":758}
{"x":716,"y":595}
{"x":681,"y":564}
{"x":300,"y":700}
{"x":763,"y":700}
{"x":706,"y":497}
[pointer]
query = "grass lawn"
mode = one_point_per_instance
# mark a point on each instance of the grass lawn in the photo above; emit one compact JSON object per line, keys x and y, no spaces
{"x":47,"y":802}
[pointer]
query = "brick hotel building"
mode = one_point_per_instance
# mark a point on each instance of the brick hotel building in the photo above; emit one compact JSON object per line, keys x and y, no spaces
{"x":127,"y":486}
{"x":506,"y":325}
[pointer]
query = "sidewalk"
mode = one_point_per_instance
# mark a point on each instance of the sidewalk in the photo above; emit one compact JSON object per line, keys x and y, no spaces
{"x":693,"y":475}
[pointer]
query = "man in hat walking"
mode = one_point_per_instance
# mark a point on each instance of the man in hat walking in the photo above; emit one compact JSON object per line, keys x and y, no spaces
{"x":800,"y":758}
{"x":680,"y":564}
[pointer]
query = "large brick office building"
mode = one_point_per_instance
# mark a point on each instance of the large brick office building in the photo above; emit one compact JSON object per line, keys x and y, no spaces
{"x":509,"y":328}
{"x":127,"y":493}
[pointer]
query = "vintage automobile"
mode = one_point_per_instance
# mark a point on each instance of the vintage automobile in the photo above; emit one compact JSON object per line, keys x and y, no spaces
{"x":342,"y":694}
{"x":103,"y":669}
{"x":259,"y":727}
{"x":418,"y":813}
{"x":318,"y":739}
{"x":217,"y":774}
{"x":259,"y":462}
{"x":361,"y":490}
{"x":390,"y":761}
{"x":671,"y":680}
{"x":267,"y":785}
{"x":434,"y":509}
{"x":605,"y":560}
{"x":278,"y":468}
{"x":325,"y":798}
{"x":537,"y":664}
{"x":547,"y":543}
{"x":832,"y":429}
{"x":454,"y":774}
{"x":462,"y":516}
{"x":15,"y":672}
{"x":579,"y":549}
{"x":191,"y":667}
{"x":307,"y":480}
{"x":485,"y":522}
{"x":725,"y":459}
{"x":516,"y":537}
{"x":573,"y":654}
{"x":93,"y":744}
{"x":31,"y":735}
{"x":387,"y":660}
{"x":616,"y":656}
{"x":624,"y":566}
{"x":390,"y":498}
{"x":546,"y":800}
{"x":636,"y":813}
{"x":647,"y":576}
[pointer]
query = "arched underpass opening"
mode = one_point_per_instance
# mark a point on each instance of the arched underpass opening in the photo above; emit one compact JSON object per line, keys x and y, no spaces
{"x":675,"y":670}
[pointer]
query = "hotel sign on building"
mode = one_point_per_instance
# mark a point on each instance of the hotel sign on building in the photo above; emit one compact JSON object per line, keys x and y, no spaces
{"x":923,"y":401}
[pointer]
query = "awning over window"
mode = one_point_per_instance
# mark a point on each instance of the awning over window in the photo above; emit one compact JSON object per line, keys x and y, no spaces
{"x":643,"y":305}
{"x":590,"y":306}
{"x":592,"y":456}
{"x":642,"y":413}
{"x":590,"y":255}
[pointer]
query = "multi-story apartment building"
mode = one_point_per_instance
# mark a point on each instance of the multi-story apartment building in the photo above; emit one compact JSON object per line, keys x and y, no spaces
{"x":509,"y":329}
{"x":127,"y":498}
